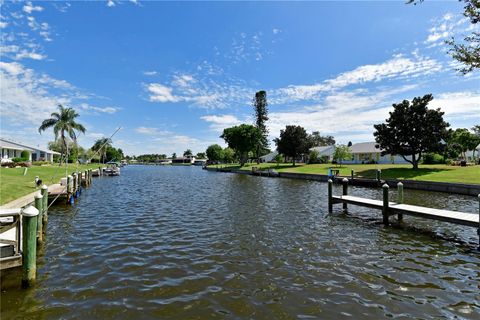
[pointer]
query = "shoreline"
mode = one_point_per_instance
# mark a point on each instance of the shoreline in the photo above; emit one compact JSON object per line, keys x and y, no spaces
{"x":423,"y":185}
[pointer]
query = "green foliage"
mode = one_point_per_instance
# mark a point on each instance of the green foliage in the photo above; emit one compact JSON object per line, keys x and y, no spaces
{"x":318,"y":140}
{"x":149,"y":158}
{"x":25,"y":155}
{"x":314,"y":157}
{"x":228,"y":155}
{"x":174,"y":155}
{"x":243,"y":139}
{"x":214,"y":153}
{"x":201,"y":155}
{"x":342,"y":152}
{"x":278,"y":159}
{"x":261,"y":117}
{"x":412,"y":129}
{"x":100,"y":147}
{"x":187,"y":153}
{"x":64,"y":126}
{"x":433,"y":158}
{"x":465,"y":139}
{"x":293,"y":142}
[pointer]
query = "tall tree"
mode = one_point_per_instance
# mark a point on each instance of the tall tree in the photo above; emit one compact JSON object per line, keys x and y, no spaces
{"x":466,"y":140}
{"x":293,"y":142}
{"x":412,"y":129}
{"x":187,"y":153}
{"x":261,"y":117}
{"x":468,"y":51}
{"x":214,"y":152}
{"x":100,"y":147}
{"x":319,"y":140}
{"x":64,"y":124}
{"x":476,"y":130}
{"x":342,"y":152}
{"x":243,"y":139}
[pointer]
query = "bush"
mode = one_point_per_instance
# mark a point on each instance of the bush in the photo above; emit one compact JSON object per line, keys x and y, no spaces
{"x":433,"y":158}
{"x":25,"y":155}
{"x":16,"y":164}
{"x":17,"y":160}
{"x":313,"y":157}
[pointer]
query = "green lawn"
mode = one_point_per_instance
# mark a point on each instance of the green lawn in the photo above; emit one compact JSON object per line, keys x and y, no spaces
{"x":13,"y":184}
{"x":441,"y":173}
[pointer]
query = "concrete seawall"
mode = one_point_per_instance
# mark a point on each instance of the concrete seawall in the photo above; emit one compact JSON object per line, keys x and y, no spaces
{"x":455,"y":188}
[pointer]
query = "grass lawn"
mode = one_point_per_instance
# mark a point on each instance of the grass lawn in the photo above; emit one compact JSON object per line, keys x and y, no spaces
{"x":437,"y":172}
{"x":13,"y":184}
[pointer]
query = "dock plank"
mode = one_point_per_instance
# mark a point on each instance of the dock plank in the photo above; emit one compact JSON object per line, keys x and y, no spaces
{"x":457,"y":217}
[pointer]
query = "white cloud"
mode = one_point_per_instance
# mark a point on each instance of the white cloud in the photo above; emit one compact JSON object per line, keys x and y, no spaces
{"x":110,"y":3}
{"x":29,"y":55}
{"x":220,"y":122}
{"x":161,"y":93}
{"x":276,"y":31}
{"x":3,"y":24}
{"x":87,"y":107}
{"x":150,"y":73}
{"x":458,"y":104}
{"x":399,"y":67}
{"x":29,"y":8}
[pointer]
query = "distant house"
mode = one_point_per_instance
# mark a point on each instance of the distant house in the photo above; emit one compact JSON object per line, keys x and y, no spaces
{"x":325,"y":152}
{"x":184,"y":160}
{"x":269,"y":157}
{"x":11,"y":149}
{"x":369,"y":152}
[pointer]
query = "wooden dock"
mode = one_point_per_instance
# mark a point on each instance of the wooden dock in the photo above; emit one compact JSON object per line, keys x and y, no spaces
{"x":400,"y":209}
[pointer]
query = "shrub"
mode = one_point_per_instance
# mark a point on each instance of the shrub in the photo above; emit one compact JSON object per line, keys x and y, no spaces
{"x":314,"y":157}
{"x":17,"y":160}
{"x":433,"y":158}
{"x":25,"y":155}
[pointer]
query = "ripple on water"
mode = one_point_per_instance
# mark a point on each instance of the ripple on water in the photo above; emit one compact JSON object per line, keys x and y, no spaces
{"x":180,"y":242}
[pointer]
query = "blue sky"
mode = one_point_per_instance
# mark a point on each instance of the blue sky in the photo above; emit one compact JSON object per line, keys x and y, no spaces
{"x":174,"y":74}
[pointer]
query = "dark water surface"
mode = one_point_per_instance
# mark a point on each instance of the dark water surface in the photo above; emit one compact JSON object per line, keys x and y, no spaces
{"x":183,"y":243}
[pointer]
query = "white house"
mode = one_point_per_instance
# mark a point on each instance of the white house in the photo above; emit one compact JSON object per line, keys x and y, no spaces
{"x":325,"y":152}
{"x":12,"y":149}
{"x":269,"y":157}
{"x":368,"y":152}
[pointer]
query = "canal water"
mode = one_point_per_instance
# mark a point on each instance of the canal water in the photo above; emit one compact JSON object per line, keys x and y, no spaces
{"x":183,"y":243}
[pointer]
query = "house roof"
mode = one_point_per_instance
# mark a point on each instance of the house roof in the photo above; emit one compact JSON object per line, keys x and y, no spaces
{"x":18,"y":146}
{"x":271,"y":154}
{"x":321,"y":149}
{"x":365,"y":147}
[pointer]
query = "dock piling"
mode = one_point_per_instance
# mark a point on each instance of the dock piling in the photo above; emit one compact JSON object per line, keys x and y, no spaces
{"x":379,"y":175}
{"x":45,"y":204}
{"x":330,"y":195}
{"x":400,"y":199}
{"x":70,"y":190}
{"x":385,"y":208}
{"x":352,"y":173}
{"x":478,"y":230}
{"x":345,"y":192}
{"x":39,"y":207}
{"x":29,"y":250}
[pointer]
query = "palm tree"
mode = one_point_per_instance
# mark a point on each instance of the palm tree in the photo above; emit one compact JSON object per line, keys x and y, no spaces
{"x":102,"y":145}
{"x":64,"y":124}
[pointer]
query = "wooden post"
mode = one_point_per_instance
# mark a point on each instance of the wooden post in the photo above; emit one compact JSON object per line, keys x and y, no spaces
{"x":345,"y":192}
{"x":90,"y":176}
{"x":29,"y":250}
{"x":352,"y":173}
{"x":69,"y":190}
{"x":45,"y":205}
{"x":39,"y":207}
{"x":379,"y":174}
{"x":400,"y":198}
{"x":74,"y":182}
{"x":330,"y":195}
{"x":385,"y":209}
{"x":478,"y":230}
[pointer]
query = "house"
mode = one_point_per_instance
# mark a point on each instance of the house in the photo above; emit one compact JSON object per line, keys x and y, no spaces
{"x":369,"y":152}
{"x":11,"y":149}
{"x":324,"y":152}
{"x":269,"y":157}
{"x":184,"y":160}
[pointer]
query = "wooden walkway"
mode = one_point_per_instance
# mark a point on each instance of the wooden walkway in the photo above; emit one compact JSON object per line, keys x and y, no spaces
{"x":24,"y":201}
{"x":462,"y":218}
{"x":400,"y":209}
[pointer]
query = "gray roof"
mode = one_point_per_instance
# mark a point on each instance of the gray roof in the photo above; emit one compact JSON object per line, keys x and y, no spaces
{"x":321,"y":149}
{"x":365,"y":147}
{"x":18,"y":146}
